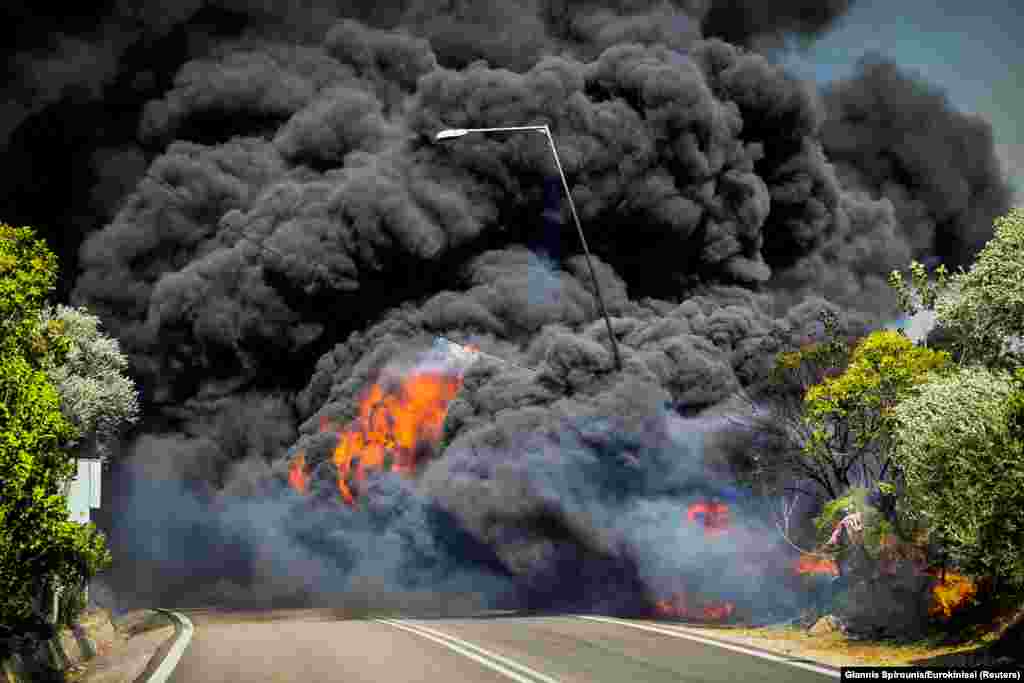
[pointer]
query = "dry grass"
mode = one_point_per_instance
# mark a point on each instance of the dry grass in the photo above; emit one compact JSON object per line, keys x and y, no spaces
{"x":964,"y":640}
{"x":836,"y":649}
{"x":140,"y":621}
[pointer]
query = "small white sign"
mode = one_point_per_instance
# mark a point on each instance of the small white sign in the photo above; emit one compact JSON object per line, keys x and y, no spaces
{"x":95,"y":479}
{"x":84,"y":492}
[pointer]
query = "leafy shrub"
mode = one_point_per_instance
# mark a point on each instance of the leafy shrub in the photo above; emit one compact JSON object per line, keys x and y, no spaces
{"x":962,"y":456}
{"x":37,"y":540}
{"x":984,"y":309}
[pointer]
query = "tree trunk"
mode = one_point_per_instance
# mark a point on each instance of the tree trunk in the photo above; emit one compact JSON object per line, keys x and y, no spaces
{"x":53,"y":606}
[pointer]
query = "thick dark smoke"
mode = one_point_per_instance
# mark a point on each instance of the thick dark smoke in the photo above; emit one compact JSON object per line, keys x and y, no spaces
{"x":562,"y":466}
{"x":898,"y":137}
{"x":266,"y":224}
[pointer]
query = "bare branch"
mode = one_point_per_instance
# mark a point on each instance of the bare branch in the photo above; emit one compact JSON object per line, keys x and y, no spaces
{"x":784,"y":531}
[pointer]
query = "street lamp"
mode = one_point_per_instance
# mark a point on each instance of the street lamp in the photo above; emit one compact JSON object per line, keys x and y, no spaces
{"x":450,"y":133}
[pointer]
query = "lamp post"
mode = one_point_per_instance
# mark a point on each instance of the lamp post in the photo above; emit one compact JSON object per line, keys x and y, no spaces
{"x":450,"y":133}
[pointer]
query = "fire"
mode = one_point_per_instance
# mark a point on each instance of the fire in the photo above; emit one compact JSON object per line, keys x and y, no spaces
{"x":950,"y":593}
{"x":297,"y":477}
{"x":683,"y":606}
{"x":806,"y":564}
{"x":712,"y":515}
{"x":395,"y":420}
{"x":391,"y":424}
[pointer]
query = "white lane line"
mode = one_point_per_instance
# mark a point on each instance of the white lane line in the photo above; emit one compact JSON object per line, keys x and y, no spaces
{"x":491,"y":660}
{"x":683,"y":632}
{"x":486,"y":653}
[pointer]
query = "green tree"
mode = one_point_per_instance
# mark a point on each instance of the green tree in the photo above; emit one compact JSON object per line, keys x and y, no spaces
{"x":850,"y":413}
{"x":826,"y":430}
{"x":981,"y":310}
{"x":37,"y":540}
{"x":835,"y":432}
{"x":960,"y":445}
{"x":96,"y":395}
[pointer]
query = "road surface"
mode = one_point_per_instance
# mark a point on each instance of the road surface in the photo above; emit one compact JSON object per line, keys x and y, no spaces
{"x":314,"y":645}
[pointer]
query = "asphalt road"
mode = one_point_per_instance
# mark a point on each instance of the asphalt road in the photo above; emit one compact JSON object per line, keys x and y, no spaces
{"x":315,"y":645}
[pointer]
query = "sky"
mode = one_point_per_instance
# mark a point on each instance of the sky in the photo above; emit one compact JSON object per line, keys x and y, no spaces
{"x":973,"y":50}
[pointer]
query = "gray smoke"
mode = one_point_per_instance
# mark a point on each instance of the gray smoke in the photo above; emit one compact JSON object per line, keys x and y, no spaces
{"x":297,"y":232}
{"x":558,"y":463}
{"x":268,"y":547}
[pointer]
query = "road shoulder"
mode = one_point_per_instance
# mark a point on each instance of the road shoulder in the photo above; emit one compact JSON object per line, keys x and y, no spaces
{"x":140,"y":637}
{"x":834,"y":649}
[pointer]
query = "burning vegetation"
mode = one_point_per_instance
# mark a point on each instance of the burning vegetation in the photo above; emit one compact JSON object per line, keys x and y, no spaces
{"x":398,"y":424}
{"x":398,"y":427}
{"x":684,"y":605}
{"x":712,"y":517}
{"x":814,"y":564}
{"x":952,"y":592}
{"x":298,"y":477}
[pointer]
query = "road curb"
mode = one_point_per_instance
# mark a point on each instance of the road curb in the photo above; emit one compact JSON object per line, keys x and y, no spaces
{"x":183,"y":630}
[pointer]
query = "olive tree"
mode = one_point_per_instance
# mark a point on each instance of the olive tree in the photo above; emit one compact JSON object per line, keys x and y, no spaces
{"x":96,"y":394}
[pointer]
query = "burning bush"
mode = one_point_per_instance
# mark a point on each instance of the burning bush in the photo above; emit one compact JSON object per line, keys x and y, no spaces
{"x":397,"y":427}
{"x":712,"y":517}
{"x":952,"y":591}
{"x":892,"y":587}
{"x":298,"y":477}
{"x":689,"y":607}
{"x":816,"y":565}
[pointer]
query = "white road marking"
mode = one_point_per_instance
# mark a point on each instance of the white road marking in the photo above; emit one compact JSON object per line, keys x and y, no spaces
{"x":491,"y":660}
{"x":690,"y":634}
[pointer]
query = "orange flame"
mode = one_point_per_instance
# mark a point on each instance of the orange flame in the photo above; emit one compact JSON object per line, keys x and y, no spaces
{"x":712,"y":515}
{"x":807,"y":564}
{"x":950,"y":593}
{"x":297,"y":477}
{"x":683,"y":606}
{"x":393,"y":423}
